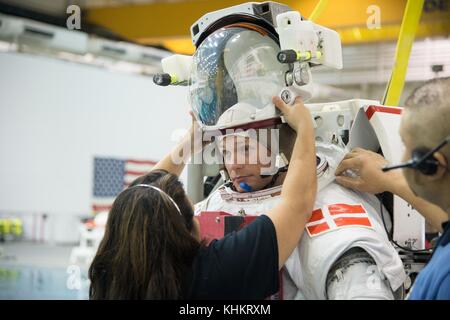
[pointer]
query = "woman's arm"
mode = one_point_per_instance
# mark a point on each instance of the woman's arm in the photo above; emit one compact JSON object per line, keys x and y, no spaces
{"x":370,"y":178}
{"x":300,"y":186}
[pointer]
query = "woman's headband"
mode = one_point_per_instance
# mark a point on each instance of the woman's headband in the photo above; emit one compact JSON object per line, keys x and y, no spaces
{"x":160,"y":191}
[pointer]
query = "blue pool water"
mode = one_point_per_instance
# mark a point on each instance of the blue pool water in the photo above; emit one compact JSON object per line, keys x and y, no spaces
{"x":41,"y":283}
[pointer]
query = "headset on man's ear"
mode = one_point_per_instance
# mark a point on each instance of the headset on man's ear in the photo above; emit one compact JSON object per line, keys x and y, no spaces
{"x":422,"y":160}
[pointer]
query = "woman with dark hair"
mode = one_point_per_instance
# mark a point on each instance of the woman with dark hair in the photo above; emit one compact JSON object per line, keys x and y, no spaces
{"x":152,"y":249}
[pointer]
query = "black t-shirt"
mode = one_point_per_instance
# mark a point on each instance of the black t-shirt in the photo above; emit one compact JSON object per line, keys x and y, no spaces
{"x":242,"y":265}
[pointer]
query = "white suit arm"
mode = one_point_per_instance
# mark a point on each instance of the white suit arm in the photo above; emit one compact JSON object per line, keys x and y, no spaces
{"x":355,"y":276}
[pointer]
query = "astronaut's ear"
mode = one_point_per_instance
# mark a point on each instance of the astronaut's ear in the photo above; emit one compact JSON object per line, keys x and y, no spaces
{"x":442,"y":167}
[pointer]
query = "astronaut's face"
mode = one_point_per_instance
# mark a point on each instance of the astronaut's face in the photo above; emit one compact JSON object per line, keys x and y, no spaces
{"x":242,"y":159}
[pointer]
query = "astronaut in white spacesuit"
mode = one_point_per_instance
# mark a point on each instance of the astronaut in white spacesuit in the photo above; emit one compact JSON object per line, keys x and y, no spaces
{"x":345,"y":253}
{"x":240,"y":64}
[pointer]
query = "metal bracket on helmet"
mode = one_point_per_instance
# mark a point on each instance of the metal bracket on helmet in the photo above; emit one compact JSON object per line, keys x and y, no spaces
{"x":304,"y":44}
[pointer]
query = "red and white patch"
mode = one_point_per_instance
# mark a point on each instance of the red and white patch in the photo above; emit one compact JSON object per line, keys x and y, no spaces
{"x":336,"y":216}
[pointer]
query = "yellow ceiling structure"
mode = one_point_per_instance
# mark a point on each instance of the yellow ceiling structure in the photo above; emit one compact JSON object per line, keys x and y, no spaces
{"x":168,"y":23}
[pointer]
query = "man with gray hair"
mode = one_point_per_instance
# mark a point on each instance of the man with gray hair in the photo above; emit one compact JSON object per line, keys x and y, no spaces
{"x":425,"y":131}
{"x":425,"y":125}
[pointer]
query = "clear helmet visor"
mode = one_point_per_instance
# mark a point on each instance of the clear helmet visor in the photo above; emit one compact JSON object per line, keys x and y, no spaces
{"x":235,"y":74}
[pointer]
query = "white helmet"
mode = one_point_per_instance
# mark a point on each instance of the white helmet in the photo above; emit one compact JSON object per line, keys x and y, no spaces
{"x":235,"y":74}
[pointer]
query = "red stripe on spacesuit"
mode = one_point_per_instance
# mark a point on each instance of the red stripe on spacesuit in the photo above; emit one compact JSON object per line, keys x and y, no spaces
{"x":372,"y":109}
{"x":318,"y":228}
{"x":340,"y":222}
{"x":316,"y":215}
{"x":340,"y":208}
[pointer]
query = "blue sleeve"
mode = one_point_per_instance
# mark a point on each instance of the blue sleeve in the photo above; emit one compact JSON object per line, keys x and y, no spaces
{"x":443,"y":292}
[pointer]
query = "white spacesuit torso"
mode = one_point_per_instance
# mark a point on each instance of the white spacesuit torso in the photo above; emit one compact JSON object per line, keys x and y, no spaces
{"x":342,"y":219}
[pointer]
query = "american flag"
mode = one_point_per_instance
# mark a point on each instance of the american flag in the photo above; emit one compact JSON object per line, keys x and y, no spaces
{"x":111,"y":176}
